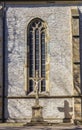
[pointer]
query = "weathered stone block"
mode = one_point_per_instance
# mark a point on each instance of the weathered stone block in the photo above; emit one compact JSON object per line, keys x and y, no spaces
{"x":76,"y":75}
{"x":77,"y":107}
{"x":75,"y":12}
{"x":77,"y":114}
{"x":76,"y":50}
{"x":37,"y":114}
{"x":77,"y":101}
{"x":75,"y":27}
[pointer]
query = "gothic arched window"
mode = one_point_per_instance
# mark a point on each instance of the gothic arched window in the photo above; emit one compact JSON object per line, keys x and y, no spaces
{"x":36,"y":53}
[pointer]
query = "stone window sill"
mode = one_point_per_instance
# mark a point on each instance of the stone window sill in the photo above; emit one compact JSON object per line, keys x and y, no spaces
{"x":41,"y":94}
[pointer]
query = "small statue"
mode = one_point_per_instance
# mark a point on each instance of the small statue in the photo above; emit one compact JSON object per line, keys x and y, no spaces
{"x":36,"y":80}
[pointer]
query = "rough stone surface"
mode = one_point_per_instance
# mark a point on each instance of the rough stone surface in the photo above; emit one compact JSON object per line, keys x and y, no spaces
{"x":77,"y":108}
{"x":76,"y":63}
{"x":59,"y":47}
{"x":75,"y":23}
{"x":53,"y":109}
{"x":76,"y":50}
{"x":59,"y":51}
{"x":77,"y":85}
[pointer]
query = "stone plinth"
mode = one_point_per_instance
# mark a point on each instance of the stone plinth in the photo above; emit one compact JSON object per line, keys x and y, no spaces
{"x":37,"y":114}
{"x":37,"y":118}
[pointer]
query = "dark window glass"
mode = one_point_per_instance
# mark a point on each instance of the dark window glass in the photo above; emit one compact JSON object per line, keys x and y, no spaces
{"x":37,"y":50}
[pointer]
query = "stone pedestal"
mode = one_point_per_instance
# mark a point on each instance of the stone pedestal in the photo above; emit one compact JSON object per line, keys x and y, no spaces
{"x":37,"y":118}
{"x":37,"y":114}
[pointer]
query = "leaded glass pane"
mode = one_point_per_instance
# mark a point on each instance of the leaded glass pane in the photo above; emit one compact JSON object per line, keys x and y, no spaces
{"x":43,"y":85}
{"x":43,"y":54}
{"x":30,"y":60}
{"x":30,"y":85}
{"x":31,"y":54}
{"x":43,"y":60}
{"x":37,"y":50}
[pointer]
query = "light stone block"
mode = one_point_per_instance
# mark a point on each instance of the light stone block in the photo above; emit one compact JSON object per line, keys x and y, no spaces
{"x":75,"y":12}
{"x":75,"y":27}
{"x":77,"y":84}
{"x":77,"y":107}
{"x":76,"y":50}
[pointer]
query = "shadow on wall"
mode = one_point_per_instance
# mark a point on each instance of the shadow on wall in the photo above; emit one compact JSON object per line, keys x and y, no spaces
{"x":6,"y":60}
{"x":66,"y":109}
{"x":80,"y":49}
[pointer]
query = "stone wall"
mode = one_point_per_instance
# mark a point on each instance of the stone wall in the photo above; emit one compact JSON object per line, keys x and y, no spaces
{"x":58,"y":19}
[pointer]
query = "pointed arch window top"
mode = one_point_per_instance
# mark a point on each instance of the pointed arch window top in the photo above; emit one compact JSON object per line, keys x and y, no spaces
{"x":37,"y":23}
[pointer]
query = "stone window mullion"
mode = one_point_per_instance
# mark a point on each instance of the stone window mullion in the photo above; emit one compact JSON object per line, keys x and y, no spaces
{"x":40,"y":59}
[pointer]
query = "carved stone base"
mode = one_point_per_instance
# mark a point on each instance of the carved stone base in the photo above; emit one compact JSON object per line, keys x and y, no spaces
{"x":37,"y":118}
{"x":37,"y":114}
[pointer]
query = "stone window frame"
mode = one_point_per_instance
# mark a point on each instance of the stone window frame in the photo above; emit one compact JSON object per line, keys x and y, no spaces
{"x":47,"y":61}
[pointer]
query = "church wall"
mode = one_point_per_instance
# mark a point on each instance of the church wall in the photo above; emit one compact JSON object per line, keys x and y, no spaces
{"x":54,"y":110}
{"x":59,"y":47}
{"x":58,"y":20}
